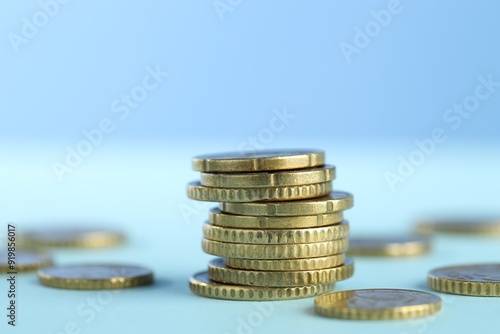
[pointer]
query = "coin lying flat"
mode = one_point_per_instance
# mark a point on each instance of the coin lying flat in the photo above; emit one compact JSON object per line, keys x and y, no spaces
{"x":265,"y":160}
{"x":201,"y":285}
{"x":336,"y":201}
{"x":281,"y":236}
{"x":377,"y":304}
{"x":201,"y":193}
{"x":458,"y":226}
{"x":95,"y":277}
{"x":219,"y":272}
{"x":219,"y":218}
{"x":388,"y":246}
{"x":24,"y":261}
{"x":71,"y":237}
{"x":269,"y":179}
{"x":471,"y":280}
{"x":288,"y":251}
{"x":288,"y":264}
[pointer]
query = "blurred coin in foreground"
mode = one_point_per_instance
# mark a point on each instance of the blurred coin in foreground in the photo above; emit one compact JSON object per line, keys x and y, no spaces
{"x":23,"y":261}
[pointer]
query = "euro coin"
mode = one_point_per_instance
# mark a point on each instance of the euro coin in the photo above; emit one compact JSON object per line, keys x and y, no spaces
{"x":219,"y":218}
{"x":269,"y":179}
{"x":287,"y":251}
{"x":95,"y":277}
{"x":281,"y":236}
{"x":201,"y":285}
{"x":288,"y":264}
{"x":22,"y":261}
{"x":62,"y":236}
{"x":377,"y":304}
{"x":265,"y":160}
{"x":388,"y":246}
{"x":336,"y":201}
{"x":219,"y":272}
{"x":471,"y":280}
{"x":460,"y":226}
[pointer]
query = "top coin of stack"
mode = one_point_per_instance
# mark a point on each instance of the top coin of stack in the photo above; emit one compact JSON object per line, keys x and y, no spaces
{"x":279,"y":228}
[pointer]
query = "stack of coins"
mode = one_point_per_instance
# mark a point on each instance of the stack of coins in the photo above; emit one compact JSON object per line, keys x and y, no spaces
{"x":278,"y":231}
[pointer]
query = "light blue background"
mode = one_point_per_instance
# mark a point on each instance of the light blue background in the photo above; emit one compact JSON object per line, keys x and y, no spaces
{"x":226,"y":79}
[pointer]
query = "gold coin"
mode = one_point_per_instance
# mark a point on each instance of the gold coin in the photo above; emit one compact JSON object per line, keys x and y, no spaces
{"x":288,"y":236}
{"x":388,"y":246}
{"x":95,"y":277}
{"x":200,"y":193}
{"x":377,"y":304}
{"x":71,"y":237}
{"x":289,"y":264}
{"x":471,"y":280}
{"x":219,"y":272}
{"x":269,"y":179}
{"x":336,"y":201}
{"x":201,"y":285}
{"x":273,"y":222}
{"x":264,"y":160}
{"x":457,"y":226}
{"x":289,"y":251}
{"x":23,"y":261}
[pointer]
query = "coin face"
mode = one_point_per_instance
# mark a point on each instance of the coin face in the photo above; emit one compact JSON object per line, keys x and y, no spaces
{"x":403,"y":245}
{"x":24,"y":261}
{"x":460,"y":226}
{"x":71,"y":237}
{"x":264,"y":160}
{"x":335,"y":201}
{"x":373,"y":304}
{"x":474,"y":279}
{"x":201,"y":285}
{"x":94,"y":277}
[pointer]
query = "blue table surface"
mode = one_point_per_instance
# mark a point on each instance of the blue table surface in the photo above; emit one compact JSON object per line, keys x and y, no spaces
{"x":140,"y":188}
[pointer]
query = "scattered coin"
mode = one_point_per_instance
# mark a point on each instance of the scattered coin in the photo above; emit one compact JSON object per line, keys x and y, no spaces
{"x":297,"y":177}
{"x":275,"y":222}
{"x":388,"y":246}
{"x":377,"y":304}
{"x":288,"y":264}
{"x":201,"y":285}
{"x":265,"y":160}
{"x":281,"y":236}
{"x":287,"y":251}
{"x":471,"y":280}
{"x":219,"y":272}
{"x":336,"y":201}
{"x":71,"y":237}
{"x":95,"y":277}
{"x":201,"y":193}
{"x":24,"y":261}
{"x":458,"y":226}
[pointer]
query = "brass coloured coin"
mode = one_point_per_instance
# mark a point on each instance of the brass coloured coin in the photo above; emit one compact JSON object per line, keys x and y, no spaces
{"x":388,"y":246}
{"x":24,"y":261}
{"x":288,"y":264}
{"x":62,"y":236}
{"x":460,"y":226}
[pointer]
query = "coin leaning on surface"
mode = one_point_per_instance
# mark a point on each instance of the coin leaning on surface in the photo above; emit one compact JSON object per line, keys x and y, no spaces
{"x":269,"y":179}
{"x":288,"y":264}
{"x":377,"y":304}
{"x":278,"y":236}
{"x":201,"y":193}
{"x":471,"y":280}
{"x":265,"y":160}
{"x":201,"y":285}
{"x":219,"y":272}
{"x":95,"y":277}
{"x":335,"y":201}
{"x":404,"y":245}
{"x":219,"y":218}
{"x":24,"y":261}
{"x":62,"y":236}
{"x":287,"y":251}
